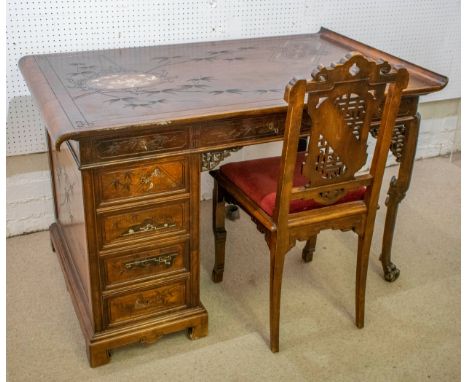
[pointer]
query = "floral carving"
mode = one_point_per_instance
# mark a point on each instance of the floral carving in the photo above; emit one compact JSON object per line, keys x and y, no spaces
{"x":66,"y":186}
{"x":139,"y":144}
{"x":159,"y":298}
{"x":153,"y":86}
{"x":398,"y":140}
{"x":145,"y":182}
{"x":331,"y":196}
{"x":211,"y":159}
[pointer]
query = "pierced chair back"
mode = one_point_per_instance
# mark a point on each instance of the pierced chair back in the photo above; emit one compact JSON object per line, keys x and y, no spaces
{"x":342,"y":101}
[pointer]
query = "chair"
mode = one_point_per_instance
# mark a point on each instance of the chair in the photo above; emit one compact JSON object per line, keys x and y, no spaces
{"x":293,"y":197}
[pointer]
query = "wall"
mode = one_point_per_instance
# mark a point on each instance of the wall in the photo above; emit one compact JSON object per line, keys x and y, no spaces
{"x":29,"y":205}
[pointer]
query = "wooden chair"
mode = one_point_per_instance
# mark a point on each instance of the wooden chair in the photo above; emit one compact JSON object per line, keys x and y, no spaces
{"x":295,"y":196}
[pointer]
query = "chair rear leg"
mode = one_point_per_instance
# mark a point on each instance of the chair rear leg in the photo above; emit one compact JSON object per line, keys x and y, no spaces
{"x":219,"y":233}
{"x":309,"y":249}
{"x":276,"y":278}
{"x":364,"y":244}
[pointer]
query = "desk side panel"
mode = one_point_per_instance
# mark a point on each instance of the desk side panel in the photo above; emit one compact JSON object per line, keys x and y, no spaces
{"x":70,"y":214}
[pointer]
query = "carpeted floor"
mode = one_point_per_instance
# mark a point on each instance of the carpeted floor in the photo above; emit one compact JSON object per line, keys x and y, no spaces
{"x":412,"y":330}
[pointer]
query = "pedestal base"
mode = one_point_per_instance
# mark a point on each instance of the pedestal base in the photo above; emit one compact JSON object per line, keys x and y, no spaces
{"x":100,"y":344}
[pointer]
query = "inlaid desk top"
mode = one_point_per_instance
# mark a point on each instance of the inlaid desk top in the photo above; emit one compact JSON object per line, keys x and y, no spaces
{"x":98,"y":92}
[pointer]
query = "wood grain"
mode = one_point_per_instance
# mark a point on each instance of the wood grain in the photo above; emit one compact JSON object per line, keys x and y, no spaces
{"x":195,"y":82}
{"x":342,"y":100}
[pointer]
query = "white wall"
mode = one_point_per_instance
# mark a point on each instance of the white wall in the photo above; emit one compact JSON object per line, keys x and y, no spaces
{"x":28,"y":193}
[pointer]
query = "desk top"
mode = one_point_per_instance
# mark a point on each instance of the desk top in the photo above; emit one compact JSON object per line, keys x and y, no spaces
{"x":83,"y":94}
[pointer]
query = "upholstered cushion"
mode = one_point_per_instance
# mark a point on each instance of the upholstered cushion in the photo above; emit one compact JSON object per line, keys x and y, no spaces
{"x":258,"y":180}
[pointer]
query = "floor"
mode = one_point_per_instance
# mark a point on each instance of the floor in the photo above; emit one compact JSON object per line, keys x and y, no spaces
{"x":412,"y":330}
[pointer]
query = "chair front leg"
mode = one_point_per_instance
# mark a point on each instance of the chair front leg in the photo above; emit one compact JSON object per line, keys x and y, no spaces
{"x":364,"y":244}
{"x":219,"y":233}
{"x":276,"y":277}
{"x":309,"y":249}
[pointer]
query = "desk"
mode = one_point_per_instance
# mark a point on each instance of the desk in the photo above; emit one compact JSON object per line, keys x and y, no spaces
{"x":129,"y":131}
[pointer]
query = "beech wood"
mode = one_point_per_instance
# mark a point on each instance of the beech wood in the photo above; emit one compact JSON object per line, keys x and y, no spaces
{"x":342,"y":100}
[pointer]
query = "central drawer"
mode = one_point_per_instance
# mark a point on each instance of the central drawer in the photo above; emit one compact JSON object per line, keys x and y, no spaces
{"x":230,"y":130}
{"x":125,"y":228}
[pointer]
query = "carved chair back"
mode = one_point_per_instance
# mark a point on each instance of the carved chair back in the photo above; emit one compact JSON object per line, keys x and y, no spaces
{"x":341,"y":101}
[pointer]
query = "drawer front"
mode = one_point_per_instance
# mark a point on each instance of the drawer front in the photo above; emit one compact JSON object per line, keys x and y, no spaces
{"x":162,"y":177}
{"x":144,"y":303}
{"x":143,"y":224}
{"x":145,"y":264}
{"x":242,"y":129}
{"x":146,"y":144}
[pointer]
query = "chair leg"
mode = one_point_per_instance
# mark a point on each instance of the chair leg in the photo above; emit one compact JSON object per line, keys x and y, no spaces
{"x":276,"y":277}
{"x":309,"y":249}
{"x":364,"y":244}
{"x":219,"y":233}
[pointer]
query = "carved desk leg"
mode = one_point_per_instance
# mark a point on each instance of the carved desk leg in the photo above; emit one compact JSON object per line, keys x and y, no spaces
{"x":405,"y":138}
{"x":219,"y":233}
{"x":209,"y":161}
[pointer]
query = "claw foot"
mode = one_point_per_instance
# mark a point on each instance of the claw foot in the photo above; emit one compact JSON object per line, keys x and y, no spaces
{"x":232,"y":212}
{"x":391,"y":272}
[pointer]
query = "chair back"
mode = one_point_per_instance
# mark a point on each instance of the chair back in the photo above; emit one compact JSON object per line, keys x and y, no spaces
{"x":342,"y":102}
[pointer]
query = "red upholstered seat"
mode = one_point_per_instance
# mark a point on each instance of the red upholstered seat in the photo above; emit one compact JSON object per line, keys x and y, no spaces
{"x":258,"y":180}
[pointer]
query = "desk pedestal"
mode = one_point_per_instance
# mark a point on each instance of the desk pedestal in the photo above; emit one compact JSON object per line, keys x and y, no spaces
{"x":126,"y":235}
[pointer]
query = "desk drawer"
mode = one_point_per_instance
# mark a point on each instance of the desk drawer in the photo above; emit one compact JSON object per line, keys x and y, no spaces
{"x":143,"y":265}
{"x":142,"y":224}
{"x":146,"y":302}
{"x":146,"y":144}
{"x":240,"y":129}
{"x":161,"y":177}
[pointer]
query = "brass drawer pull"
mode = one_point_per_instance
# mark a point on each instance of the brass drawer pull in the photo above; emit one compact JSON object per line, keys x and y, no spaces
{"x":167,"y":260}
{"x":271,"y":127}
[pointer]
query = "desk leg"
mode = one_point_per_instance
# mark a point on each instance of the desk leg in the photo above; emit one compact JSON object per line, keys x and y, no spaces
{"x":406,"y":147}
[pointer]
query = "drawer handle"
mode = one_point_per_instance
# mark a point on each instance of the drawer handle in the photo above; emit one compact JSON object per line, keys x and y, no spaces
{"x":271,"y":127}
{"x":167,"y":260}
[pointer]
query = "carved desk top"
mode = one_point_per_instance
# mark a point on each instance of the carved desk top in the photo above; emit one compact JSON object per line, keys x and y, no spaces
{"x":83,"y":94}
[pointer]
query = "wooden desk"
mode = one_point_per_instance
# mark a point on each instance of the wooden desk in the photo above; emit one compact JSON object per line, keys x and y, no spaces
{"x":129,"y":131}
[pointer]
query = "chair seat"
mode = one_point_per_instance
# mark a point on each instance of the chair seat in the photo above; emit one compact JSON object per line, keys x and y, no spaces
{"x":258,"y":179}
